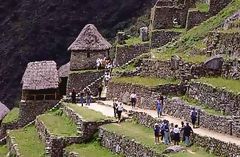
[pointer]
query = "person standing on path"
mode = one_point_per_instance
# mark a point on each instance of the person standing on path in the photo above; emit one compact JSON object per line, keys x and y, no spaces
{"x":161,"y":99}
{"x":119,"y":111}
{"x":176,"y":135}
{"x":81,"y":99}
{"x":73,"y":96}
{"x":157,"y":133}
{"x":88,"y":98}
{"x":187,"y":131}
{"x":159,"y":107}
{"x":100,"y":88}
{"x":166,"y":133}
{"x":194,"y":117}
{"x":182,"y":131}
{"x":115,"y":105}
{"x":133,"y":98}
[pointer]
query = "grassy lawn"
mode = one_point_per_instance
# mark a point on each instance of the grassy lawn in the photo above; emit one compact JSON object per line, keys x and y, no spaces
{"x":91,"y":150}
{"x":133,"y":41}
{"x":12,"y":115}
{"x":28,"y":142}
{"x":202,"y":7}
{"x":59,"y":124}
{"x":145,"y":81}
{"x":204,"y":107}
{"x":3,"y":150}
{"x":127,"y":68}
{"x":186,"y":57}
{"x":86,"y":113}
{"x":230,"y":85}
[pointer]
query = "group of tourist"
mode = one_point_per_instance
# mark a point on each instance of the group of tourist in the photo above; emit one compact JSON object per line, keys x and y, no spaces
{"x":83,"y":97}
{"x":172,"y":133}
{"x":117,"y":109}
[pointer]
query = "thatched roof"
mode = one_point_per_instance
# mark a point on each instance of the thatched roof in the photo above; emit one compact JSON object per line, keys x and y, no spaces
{"x":3,"y":111}
{"x":40,"y":75}
{"x":63,"y":71}
{"x":90,"y":39}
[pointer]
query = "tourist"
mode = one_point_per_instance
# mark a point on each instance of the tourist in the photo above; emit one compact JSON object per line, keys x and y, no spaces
{"x":107,"y":77}
{"x":133,"y":98}
{"x":161,"y":99}
{"x":98,"y":62}
{"x":171,"y":137}
{"x":193,"y":117}
{"x":159,"y":107}
{"x":81,"y":99}
{"x":187,"y":133}
{"x":166,"y":133}
{"x":73,"y":96}
{"x":162,"y":125}
{"x":115,"y":105}
{"x":176,"y":135}
{"x":119,"y":111}
{"x":157,"y":133}
{"x":88,"y":98}
{"x":100,"y":88}
{"x":182,"y":132}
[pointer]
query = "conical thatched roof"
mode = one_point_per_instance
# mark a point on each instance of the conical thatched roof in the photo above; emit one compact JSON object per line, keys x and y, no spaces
{"x":90,"y":39}
{"x":3,"y":111}
{"x":40,"y":75}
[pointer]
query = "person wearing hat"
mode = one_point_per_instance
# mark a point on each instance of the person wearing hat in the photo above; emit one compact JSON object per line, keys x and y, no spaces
{"x":115,"y":104}
{"x":156,"y":133}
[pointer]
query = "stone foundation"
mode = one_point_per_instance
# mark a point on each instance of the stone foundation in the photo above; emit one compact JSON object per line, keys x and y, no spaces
{"x":125,"y":53}
{"x":13,"y":147}
{"x":215,"y":98}
{"x":195,"y":18}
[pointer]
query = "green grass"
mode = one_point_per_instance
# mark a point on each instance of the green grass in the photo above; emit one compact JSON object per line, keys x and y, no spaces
{"x":186,"y":57}
{"x":137,"y":132}
{"x":144,"y":81}
{"x":11,"y":116}
{"x":202,"y":7}
{"x":28,"y":142}
{"x":90,"y":150}
{"x":128,"y":68}
{"x":84,"y":71}
{"x":204,"y":107}
{"x":228,"y":84}
{"x":86,"y":113}
{"x":59,"y":124}
{"x":3,"y":150}
{"x":191,"y":38}
{"x":179,"y":30}
{"x":133,"y":41}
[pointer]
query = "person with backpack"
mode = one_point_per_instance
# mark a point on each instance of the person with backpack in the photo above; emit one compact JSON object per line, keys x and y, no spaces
{"x":119,"y":111}
{"x":187,"y":131}
{"x":194,"y":117}
{"x":159,"y":107}
{"x":156,"y":133}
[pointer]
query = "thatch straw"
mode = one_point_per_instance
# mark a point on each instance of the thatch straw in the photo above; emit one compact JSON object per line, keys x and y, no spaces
{"x":63,"y":71}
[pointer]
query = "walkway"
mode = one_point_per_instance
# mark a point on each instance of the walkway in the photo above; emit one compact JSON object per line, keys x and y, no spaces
{"x":107,"y":110}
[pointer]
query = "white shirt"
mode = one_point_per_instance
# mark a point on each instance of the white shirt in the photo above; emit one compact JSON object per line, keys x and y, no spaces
{"x":176,"y":130}
{"x":120,"y":107}
{"x":133,"y":95}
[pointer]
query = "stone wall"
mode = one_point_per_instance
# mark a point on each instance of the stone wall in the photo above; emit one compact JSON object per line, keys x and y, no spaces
{"x":29,"y":110}
{"x":226,"y":43}
{"x":125,"y":53}
{"x":215,"y":98}
{"x":87,"y":128}
{"x":54,"y":144}
{"x":79,"y":80}
{"x":146,"y":96}
{"x":124,"y":145}
{"x":80,"y":60}
{"x":217,"y":5}
{"x":162,"y":37}
{"x":195,"y":17}
{"x":13,"y":147}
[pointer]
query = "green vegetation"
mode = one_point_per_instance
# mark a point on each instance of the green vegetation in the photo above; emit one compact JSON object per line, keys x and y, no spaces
{"x":230,"y":85}
{"x":28,"y":142}
{"x":202,"y":7}
{"x":59,"y":124}
{"x":179,"y":30}
{"x":191,"y":38}
{"x":11,"y":116}
{"x":84,"y":71}
{"x":86,"y":113}
{"x":186,"y":57}
{"x":144,"y":81}
{"x":133,"y":41}
{"x":3,"y":150}
{"x":91,"y":150}
{"x":204,"y":107}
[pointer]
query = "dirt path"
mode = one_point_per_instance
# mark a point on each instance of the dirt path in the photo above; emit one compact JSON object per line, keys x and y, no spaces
{"x":108,"y":111}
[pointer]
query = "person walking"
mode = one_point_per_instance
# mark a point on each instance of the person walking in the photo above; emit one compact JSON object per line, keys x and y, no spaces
{"x":100,"y":88}
{"x":159,"y":107}
{"x":115,"y":105}
{"x":88,"y":98}
{"x":176,"y":135}
{"x":187,"y":133}
{"x":133,"y":98}
{"x":194,"y":117}
{"x":166,"y":133}
{"x":73,"y":96}
{"x":157,"y":133}
{"x":119,"y":111}
{"x":81,"y":100}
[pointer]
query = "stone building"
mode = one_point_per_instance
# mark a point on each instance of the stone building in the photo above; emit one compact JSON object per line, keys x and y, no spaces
{"x":87,"y":48}
{"x":40,"y":84}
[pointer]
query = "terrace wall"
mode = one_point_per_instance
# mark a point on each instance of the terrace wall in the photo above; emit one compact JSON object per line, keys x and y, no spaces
{"x":125,"y":53}
{"x":146,"y":95}
{"x":13,"y":147}
{"x":195,"y":17}
{"x":215,"y":98}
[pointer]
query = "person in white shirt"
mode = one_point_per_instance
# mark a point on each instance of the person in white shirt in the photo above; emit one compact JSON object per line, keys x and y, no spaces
{"x":176,"y":135}
{"x":133,"y":98}
{"x":119,"y":111}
